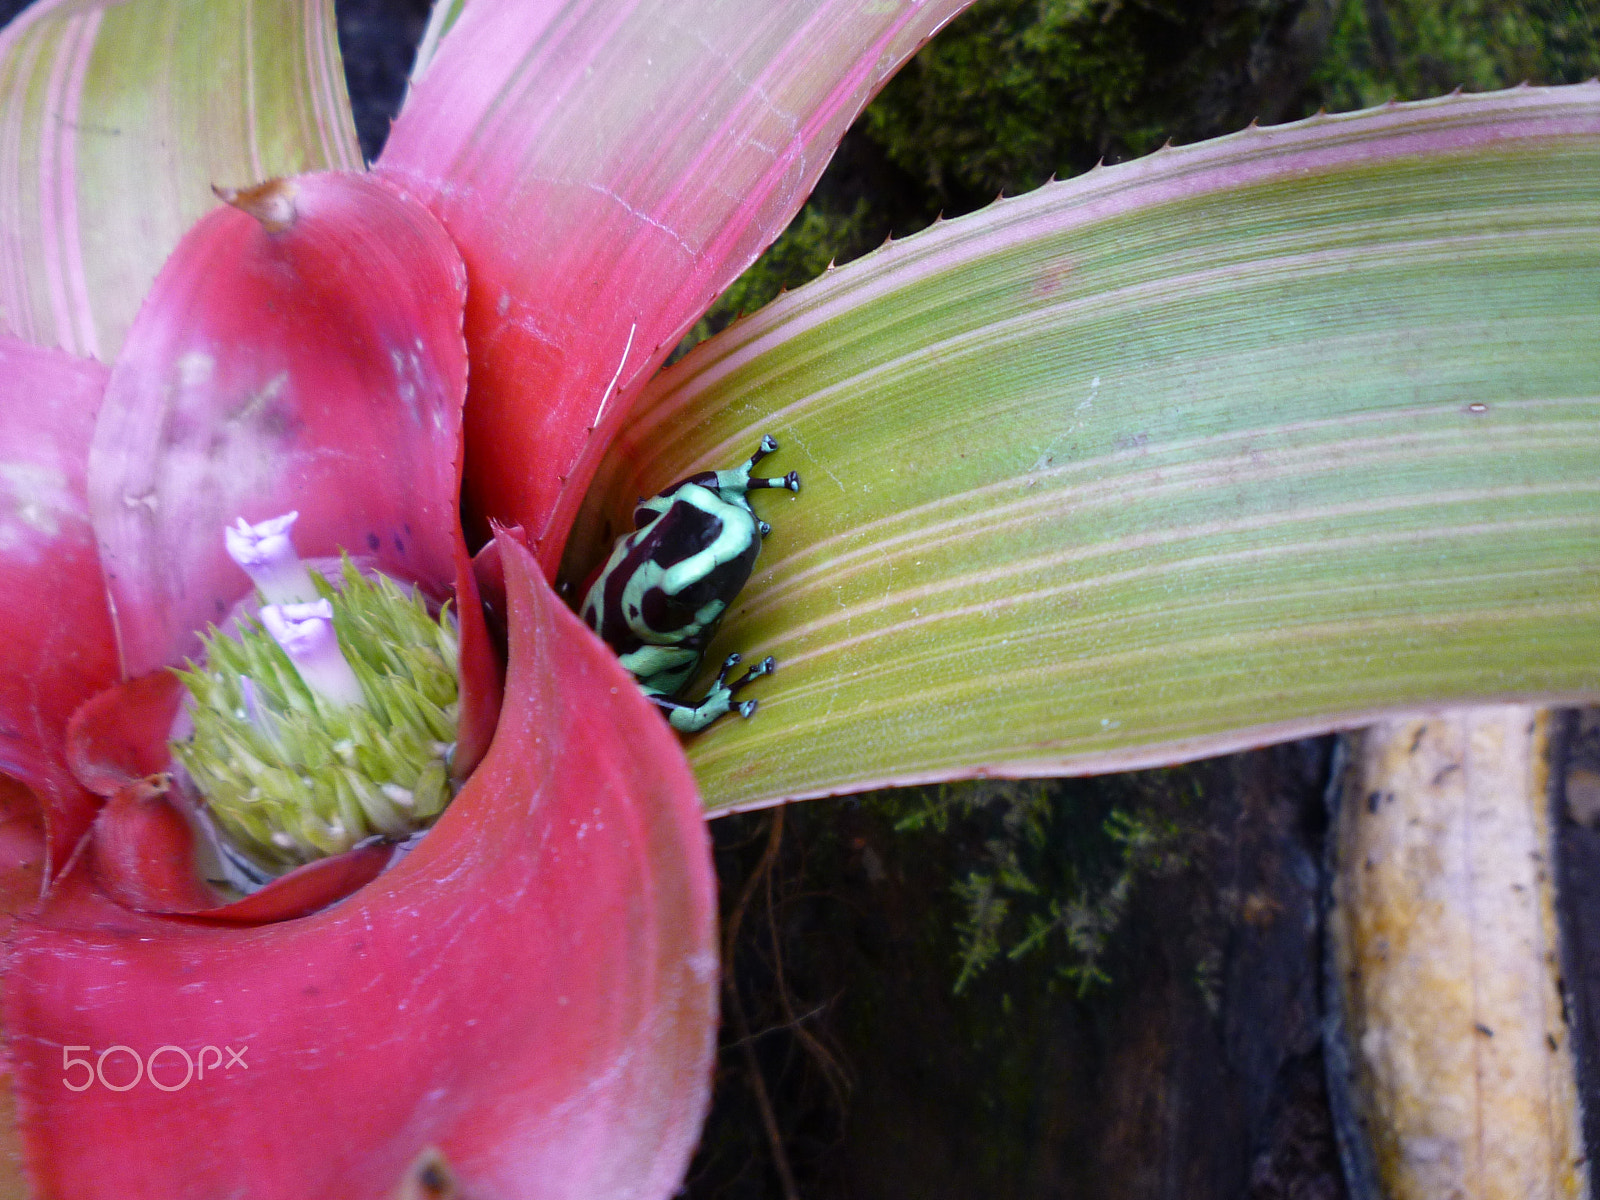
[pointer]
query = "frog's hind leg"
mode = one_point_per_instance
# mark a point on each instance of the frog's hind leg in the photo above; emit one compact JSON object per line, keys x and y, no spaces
{"x":790,"y":482}
{"x":692,"y":718}
{"x":739,"y":481}
{"x":765,"y":667}
{"x":767,"y":446}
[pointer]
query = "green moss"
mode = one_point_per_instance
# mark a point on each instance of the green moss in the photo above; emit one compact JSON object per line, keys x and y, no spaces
{"x":815,"y":239}
{"x":1410,"y":49}
{"x":1019,"y":90}
{"x":1050,"y":867}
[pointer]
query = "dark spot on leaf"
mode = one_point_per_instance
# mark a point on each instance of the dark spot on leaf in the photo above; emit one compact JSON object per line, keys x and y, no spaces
{"x":433,"y":1178}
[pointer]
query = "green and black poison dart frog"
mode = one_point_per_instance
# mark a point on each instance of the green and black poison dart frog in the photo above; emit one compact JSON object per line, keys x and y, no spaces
{"x":659,"y":597}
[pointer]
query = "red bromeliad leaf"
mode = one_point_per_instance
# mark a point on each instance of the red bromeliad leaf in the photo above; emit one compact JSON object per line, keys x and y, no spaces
{"x":118,"y":119}
{"x":58,"y":648}
{"x":532,"y":989}
{"x":311,"y":360}
{"x":304,"y":890}
{"x":142,"y":854}
{"x":21,"y":871}
{"x":482,"y":680}
{"x":607,"y":169}
{"x":120,"y":735}
{"x":304,"y":353}
{"x":22,"y":865}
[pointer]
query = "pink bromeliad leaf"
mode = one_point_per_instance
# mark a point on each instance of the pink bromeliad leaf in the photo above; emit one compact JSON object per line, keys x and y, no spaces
{"x":21,"y":869}
{"x":607,"y":169}
{"x":306,"y":356}
{"x":532,"y":990}
{"x":118,"y":118}
{"x":59,"y":649}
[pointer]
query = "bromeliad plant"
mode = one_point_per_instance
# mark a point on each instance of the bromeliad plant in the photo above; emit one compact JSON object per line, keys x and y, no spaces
{"x":1245,"y":439}
{"x":531,"y":989}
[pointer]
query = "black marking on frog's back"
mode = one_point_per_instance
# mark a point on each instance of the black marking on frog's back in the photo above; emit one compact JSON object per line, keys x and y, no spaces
{"x":684,"y":529}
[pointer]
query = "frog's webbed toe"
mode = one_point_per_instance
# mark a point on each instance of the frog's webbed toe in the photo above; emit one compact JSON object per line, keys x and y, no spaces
{"x":692,"y":718}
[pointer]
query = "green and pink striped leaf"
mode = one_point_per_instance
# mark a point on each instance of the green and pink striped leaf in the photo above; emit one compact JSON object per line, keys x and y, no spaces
{"x":118,"y":119}
{"x":1242,"y":441}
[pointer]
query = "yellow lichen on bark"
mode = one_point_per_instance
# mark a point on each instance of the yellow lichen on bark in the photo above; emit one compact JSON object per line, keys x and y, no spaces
{"x":1447,"y":964}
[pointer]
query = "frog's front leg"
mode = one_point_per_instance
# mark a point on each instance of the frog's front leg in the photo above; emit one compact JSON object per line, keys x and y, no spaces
{"x":691,"y":718}
{"x":738,"y":482}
